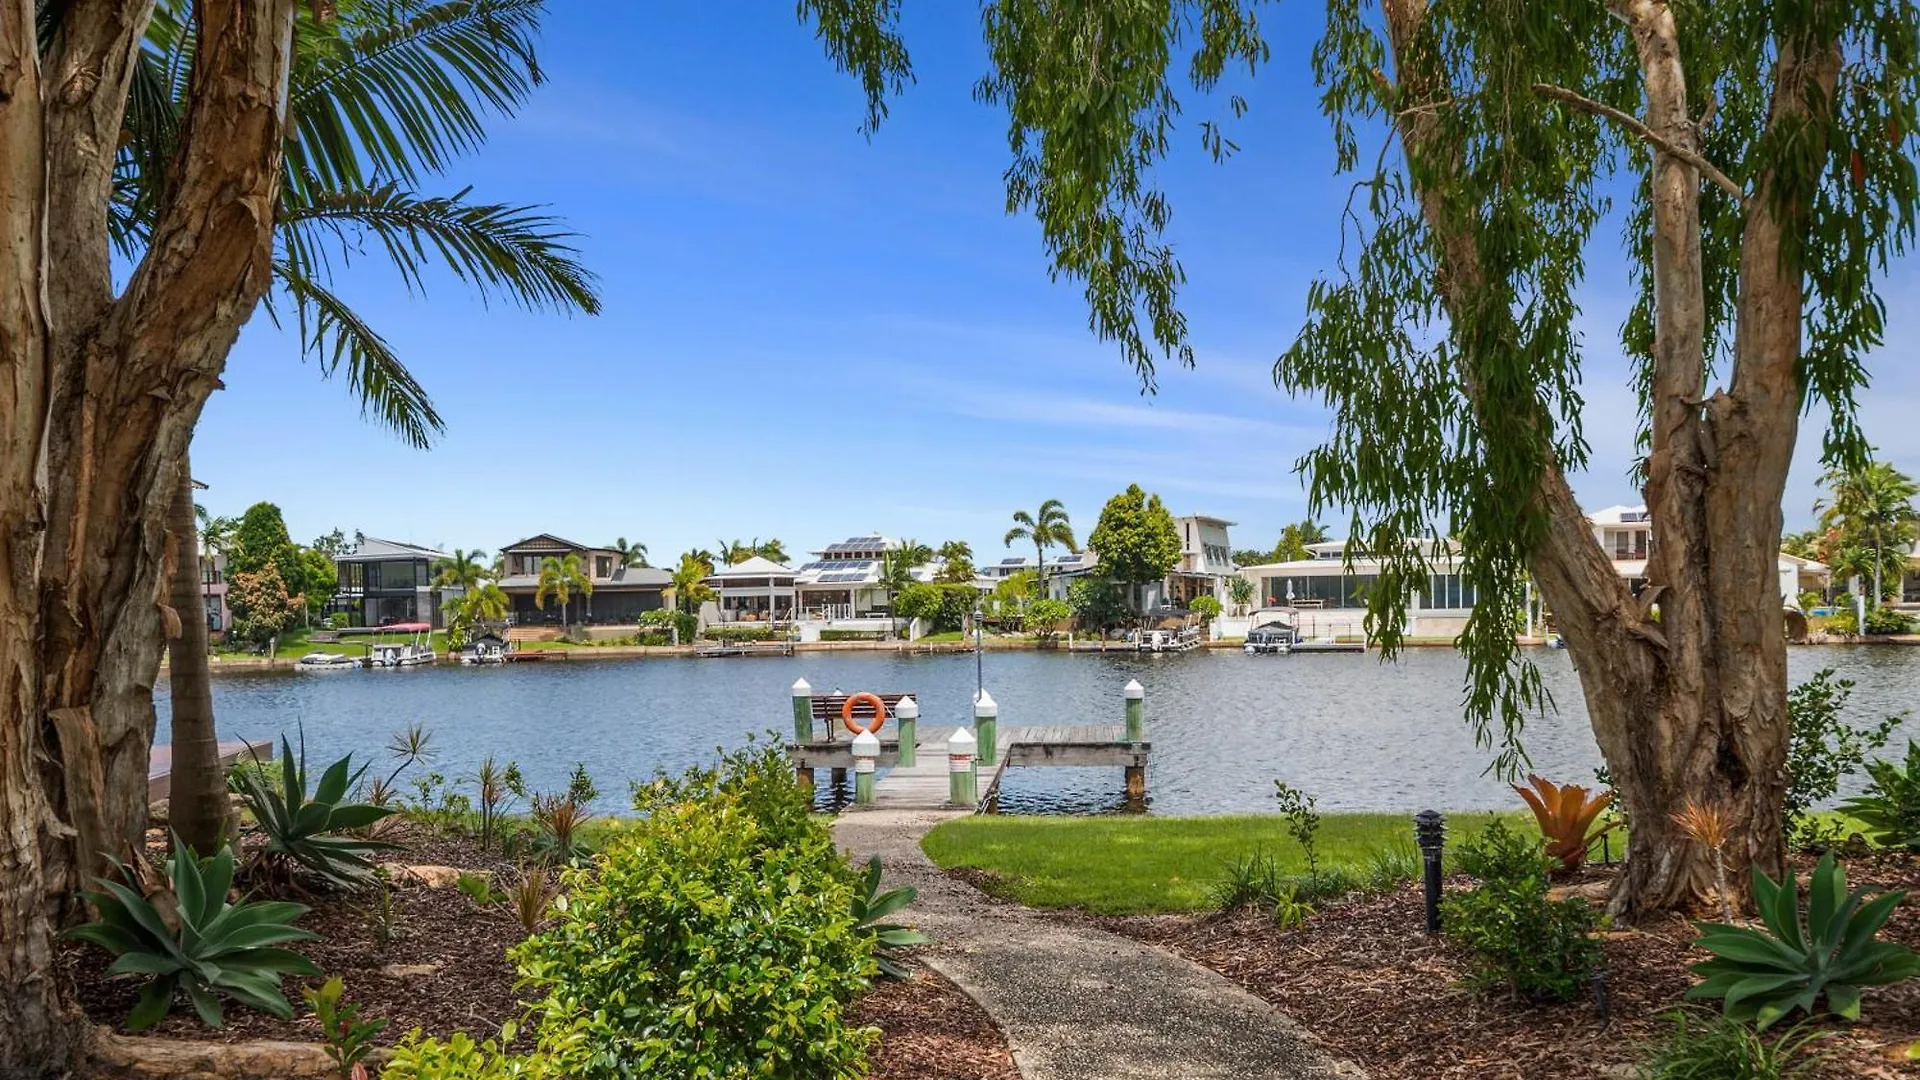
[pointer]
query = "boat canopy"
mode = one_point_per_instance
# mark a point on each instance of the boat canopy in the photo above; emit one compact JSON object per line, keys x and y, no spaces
{"x":395,"y":628}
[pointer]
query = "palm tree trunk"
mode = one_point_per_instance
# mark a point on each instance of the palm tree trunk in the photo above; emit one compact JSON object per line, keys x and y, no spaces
{"x":197,"y":798}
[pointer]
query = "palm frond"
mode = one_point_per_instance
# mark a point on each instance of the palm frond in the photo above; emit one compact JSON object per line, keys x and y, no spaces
{"x":507,"y":251}
{"x":398,"y":92}
{"x":334,"y":333}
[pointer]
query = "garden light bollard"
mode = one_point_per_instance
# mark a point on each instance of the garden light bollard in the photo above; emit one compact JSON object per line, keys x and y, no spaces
{"x":802,"y":711}
{"x":1136,"y":711}
{"x":866,"y":754}
{"x":908,"y":713}
{"x":962,"y":786}
{"x":1430,"y":832}
{"x":986,"y":720}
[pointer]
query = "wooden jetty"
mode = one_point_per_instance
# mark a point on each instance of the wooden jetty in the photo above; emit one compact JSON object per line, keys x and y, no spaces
{"x":925,"y":783}
{"x":160,"y":763}
{"x":751,"y":648}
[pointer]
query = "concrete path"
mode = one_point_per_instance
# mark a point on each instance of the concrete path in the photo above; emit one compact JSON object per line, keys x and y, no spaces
{"x":1078,"y":1003}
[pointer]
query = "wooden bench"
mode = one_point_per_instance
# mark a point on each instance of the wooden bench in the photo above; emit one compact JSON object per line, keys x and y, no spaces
{"x":827,"y":709}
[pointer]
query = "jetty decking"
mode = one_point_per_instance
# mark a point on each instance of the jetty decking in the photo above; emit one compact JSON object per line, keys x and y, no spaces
{"x":924,"y":785}
{"x":160,"y":763}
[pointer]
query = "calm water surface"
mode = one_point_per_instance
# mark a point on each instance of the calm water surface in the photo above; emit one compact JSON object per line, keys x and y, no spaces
{"x":1357,"y":733}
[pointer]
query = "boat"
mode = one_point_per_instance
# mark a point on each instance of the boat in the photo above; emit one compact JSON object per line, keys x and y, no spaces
{"x":1556,"y":642}
{"x":415,"y":653}
{"x":325,"y":661}
{"x":1272,"y":639}
{"x":1158,"y":641}
{"x":485,"y":649}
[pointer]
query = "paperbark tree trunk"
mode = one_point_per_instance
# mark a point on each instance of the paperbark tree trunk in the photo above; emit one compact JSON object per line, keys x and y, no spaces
{"x":1685,"y":683}
{"x":197,"y":794}
{"x":98,"y":395}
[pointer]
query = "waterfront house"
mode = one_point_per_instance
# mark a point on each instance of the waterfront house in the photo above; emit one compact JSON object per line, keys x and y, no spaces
{"x":383,"y":582}
{"x":1206,"y":563}
{"x":757,"y":590}
{"x":1910,"y":581}
{"x":620,"y":593}
{"x":213,"y":592}
{"x":843,"y":581}
{"x":1329,"y":588}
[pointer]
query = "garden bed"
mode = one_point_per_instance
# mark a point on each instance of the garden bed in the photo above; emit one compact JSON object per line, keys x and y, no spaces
{"x":1364,"y":979}
{"x":444,"y":968}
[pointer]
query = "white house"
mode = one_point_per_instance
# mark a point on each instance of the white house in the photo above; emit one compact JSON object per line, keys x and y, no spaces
{"x":757,"y":590}
{"x":1331,"y":596}
{"x":843,"y":580}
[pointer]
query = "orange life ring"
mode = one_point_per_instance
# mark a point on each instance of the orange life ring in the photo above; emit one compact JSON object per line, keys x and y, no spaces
{"x":879,"y":713}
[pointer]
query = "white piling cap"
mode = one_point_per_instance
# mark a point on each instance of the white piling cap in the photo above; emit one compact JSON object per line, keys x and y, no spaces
{"x":984,"y":705}
{"x":908,"y":709}
{"x":802,"y":688}
{"x":961,"y":741}
{"x":1135,"y":692}
{"x":866,"y":745}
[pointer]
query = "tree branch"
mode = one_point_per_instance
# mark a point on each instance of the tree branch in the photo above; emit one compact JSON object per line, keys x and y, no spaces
{"x":1652,"y":138}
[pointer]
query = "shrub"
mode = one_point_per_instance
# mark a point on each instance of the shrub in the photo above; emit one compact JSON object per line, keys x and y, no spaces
{"x":1206,"y":607}
{"x":853,"y":635}
{"x":1518,"y":938}
{"x":1823,"y":750}
{"x":580,"y":786}
{"x":1289,"y":911}
{"x":1880,"y":620}
{"x":206,"y":946}
{"x":665,"y":620}
{"x":1045,"y":616}
{"x":458,"y":1057}
{"x":739,"y":634}
{"x":478,"y":887}
{"x":311,"y":834}
{"x":1715,"y":1048}
{"x":1795,"y":961}
{"x":731,"y":953}
{"x":1890,"y":807}
{"x":757,"y":775}
{"x":1565,"y":815}
{"x":1303,"y":821}
{"x":347,"y":1038}
{"x":339,"y":620}
{"x":890,"y":940}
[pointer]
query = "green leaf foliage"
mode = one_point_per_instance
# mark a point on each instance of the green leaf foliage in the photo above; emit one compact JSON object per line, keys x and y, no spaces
{"x":1797,"y":958}
{"x":1822,"y":750}
{"x":871,"y":907}
{"x":1519,"y":940}
{"x":1890,"y":807}
{"x":715,"y":937}
{"x":1715,"y":1047}
{"x":312,"y":835}
{"x":202,"y":944}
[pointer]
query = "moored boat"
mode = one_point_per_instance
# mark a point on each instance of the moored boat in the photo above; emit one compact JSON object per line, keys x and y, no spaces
{"x":325,"y":661}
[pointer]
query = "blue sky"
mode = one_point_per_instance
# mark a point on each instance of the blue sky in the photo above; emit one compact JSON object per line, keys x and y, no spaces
{"x":810,"y":335}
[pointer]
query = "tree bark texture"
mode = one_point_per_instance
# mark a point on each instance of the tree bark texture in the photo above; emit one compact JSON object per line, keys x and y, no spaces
{"x":197,"y":793}
{"x":99,"y":394}
{"x":1686,"y":683}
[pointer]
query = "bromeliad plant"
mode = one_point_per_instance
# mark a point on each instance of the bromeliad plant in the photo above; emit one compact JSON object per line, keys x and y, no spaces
{"x":1566,"y":814}
{"x":199,"y":943}
{"x":1890,"y":807}
{"x":1793,"y":963}
{"x":311,"y":834}
{"x":870,"y":906}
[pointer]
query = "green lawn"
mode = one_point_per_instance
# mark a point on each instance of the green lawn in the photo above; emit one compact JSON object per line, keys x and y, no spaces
{"x":297,"y":644}
{"x":1134,"y":865}
{"x":944,"y":635}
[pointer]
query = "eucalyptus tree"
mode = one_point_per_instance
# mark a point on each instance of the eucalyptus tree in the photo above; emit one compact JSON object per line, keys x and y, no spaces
{"x":1766,"y":154}
{"x":1046,"y":527}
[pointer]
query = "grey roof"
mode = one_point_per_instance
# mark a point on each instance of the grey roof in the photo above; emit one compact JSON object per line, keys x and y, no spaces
{"x":548,"y":542}
{"x":372,"y":550}
{"x":629,"y":577}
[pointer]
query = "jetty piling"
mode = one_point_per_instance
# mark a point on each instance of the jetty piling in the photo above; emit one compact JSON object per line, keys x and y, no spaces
{"x":962,"y":782}
{"x":908,"y":713}
{"x":986,"y":721}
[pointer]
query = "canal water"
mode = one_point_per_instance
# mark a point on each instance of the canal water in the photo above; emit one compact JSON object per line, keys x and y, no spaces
{"x":1357,"y":733}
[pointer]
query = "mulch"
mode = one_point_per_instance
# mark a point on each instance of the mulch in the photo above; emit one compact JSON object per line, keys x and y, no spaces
{"x":447,"y":970}
{"x":1363,"y":978}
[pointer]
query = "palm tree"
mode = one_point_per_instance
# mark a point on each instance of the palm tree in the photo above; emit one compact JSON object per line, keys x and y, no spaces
{"x":198,"y":810}
{"x":690,"y":588}
{"x":897,"y":566}
{"x":1871,"y":511}
{"x":630,"y":554}
{"x":560,"y":579}
{"x":772,"y":550}
{"x":734,"y":552}
{"x":381,"y":97}
{"x":462,"y":570}
{"x":482,"y":604}
{"x":1048,"y":527}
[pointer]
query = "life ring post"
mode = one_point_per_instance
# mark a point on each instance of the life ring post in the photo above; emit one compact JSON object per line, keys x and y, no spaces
{"x":858,"y":725}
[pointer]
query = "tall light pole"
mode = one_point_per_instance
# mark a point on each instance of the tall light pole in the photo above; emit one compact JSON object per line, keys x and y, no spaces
{"x":979,"y":678}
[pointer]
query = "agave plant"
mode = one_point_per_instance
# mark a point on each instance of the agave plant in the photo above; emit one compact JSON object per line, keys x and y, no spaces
{"x":870,"y":906}
{"x":1794,"y":962}
{"x":1565,"y":815}
{"x":198,"y":942}
{"x":310,"y":834}
{"x":1890,"y":807}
